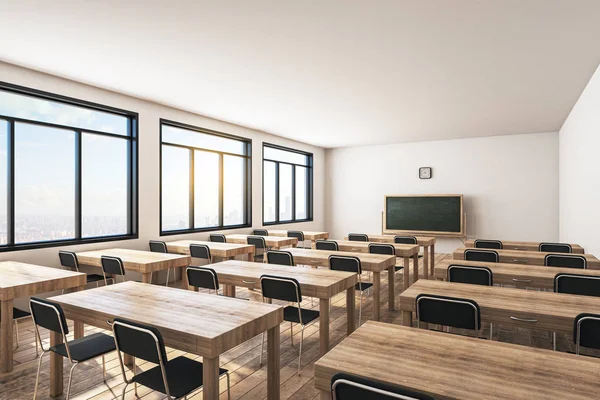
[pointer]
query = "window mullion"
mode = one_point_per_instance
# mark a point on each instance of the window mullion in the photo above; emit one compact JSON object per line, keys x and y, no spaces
{"x":11,"y":184}
{"x":78,"y":188}
{"x":221,"y":188}
{"x":293,"y":216}
{"x":192,"y":194}
{"x":277,"y":191}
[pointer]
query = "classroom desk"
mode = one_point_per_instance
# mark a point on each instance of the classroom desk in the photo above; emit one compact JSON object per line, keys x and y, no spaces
{"x":145,"y":262}
{"x":308,"y":235}
{"x":548,"y":311}
{"x":202,"y":324}
{"x":405,"y":251}
{"x":376,"y":263}
{"x":227,"y":251}
{"x":453,"y":367}
{"x":525,"y":257}
{"x":519,"y":275}
{"x":274,"y":242}
{"x":23,"y":280}
{"x":525,"y":246}
{"x":427,"y":242}
{"x":320,"y":283}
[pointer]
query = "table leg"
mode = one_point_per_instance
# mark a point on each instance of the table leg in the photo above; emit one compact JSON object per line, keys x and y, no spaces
{"x":432,"y":257}
{"x":426,"y":261}
{"x":251,"y":255}
{"x":350,"y":309}
{"x":376,"y":295}
{"x":323,"y":326}
{"x":273,"y":363}
{"x":78,"y":327}
{"x":406,"y":272}
{"x":146,"y":277}
{"x":416,"y":267}
{"x":56,"y":366}
{"x":210,"y":377}
{"x":391,"y":288}
{"x":406,"y":318}
{"x":6,"y":336}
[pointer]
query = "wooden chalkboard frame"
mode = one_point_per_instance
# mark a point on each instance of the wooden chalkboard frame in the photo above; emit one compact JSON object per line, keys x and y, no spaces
{"x":461,"y":234}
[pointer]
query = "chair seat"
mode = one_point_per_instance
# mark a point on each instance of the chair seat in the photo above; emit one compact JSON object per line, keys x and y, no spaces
{"x":398,"y":268}
{"x":18,"y":314}
{"x":184,"y":375}
{"x":362,"y":286}
{"x":87,"y":347}
{"x":290,"y":314}
{"x":94,"y":278}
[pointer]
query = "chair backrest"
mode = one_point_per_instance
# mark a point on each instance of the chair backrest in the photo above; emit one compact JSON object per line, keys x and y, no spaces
{"x":112,"y":265}
{"x":481,"y":255}
{"x":202,"y":277}
{"x":583,"y":285}
{"x":488,"y":244}
{"x":448,"y":311}
{"x":327,"y":245}
{"x":382,"y":248}
{"x":405,"y":239}
{"x":586,"y":331}
{"x":565,"y":261}
{"x":216,"y":237}
{"x":470,"y":274}
{"x":358,"y":237}
{"x":158,"y":246}
{"x":68,"y":259}
{"x":296,"y":234}
{"x":260,"y":232}
{"x":48,"y":314}
{"x":555,"y":248}
{"x":345,"y":263}
{"x":350,"y":387}
{"x":139,"y":340}
{"x":200,"y":251}
{"x":281,"y":288}
{"x":280,"y":257}
{"x":258,"y":241}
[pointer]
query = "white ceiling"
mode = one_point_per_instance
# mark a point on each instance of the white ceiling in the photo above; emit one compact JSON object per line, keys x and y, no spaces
{"x":330,"y":73}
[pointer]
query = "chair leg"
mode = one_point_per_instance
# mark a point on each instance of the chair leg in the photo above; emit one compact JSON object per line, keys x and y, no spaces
{"x":103,"y":368}
{"x":300,"y":353}
{"x":124,"y":390}
{"x":168,"y":272}
{"x":36,"y":344}
{"x":360,"y":308}
{"x":292,"y":333}
{"x":70,"y":379}
{"x":554,"y":341}
{"x":262,"y":347}
{"x":16,"y":331}
{"x":37,"y":376}
{"x":228,"y":386}
{"x":491,"y":330}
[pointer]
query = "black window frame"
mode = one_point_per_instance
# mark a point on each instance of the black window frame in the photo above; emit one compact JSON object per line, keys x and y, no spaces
{"x":309,"y":191}
{"x":132,"y":176}
{"x":248,"y":181}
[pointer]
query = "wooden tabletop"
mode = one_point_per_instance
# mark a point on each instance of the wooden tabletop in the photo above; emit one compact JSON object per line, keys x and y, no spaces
{"x":369,"y":262}
{"x":308,"y":235}
{"x":20,"y":280}
{"x":135,"y":260}
{"x":554,"y":312}
{"x":321,"y":283}
{"x":224,"y":250}
{"x":275,"y":242}
{"x":520,"y":275}
{"x":524,"y":246}
{"x":525,"y":257}
{"x":421,"y":240}
{"x":452,"y":367}
{"x":402,"y":250}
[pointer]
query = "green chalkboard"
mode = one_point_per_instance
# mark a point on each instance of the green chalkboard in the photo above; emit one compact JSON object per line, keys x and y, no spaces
{"x":428,"y":214}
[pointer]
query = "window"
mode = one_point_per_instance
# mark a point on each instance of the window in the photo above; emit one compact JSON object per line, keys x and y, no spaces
{"x":287,"y":185}
{"x":67,"y":170}
{"x":205,"y":179}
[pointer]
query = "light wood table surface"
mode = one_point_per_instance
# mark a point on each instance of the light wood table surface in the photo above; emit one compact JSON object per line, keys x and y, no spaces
{"x":525,"y":257}
{"x":274,"y":242}
{"x":226,"y":251}
{"x":145,"y":262}
{"x":202,"y":324}
{"x":452,"y":367}
{"x":547,"y":311}
{"x":376,"y":263}
{"x":320,"y":283}
{"x":519,"y":275}
{"x":22,"y":280}
{"x":525,"y":246}
{"x":308,"y":235}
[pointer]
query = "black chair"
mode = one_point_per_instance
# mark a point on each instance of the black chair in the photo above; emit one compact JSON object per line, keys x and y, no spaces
{"x":298,"y":235}
{"x":555,"y":248}
{"x":384,"y":248}
{"x":280,"y":257}
{"x":203,"y":277}
{"x":565,"y":261}
{"x":358,"y":237}
{"x":287,"y":289}
{"x":68,"y":259}
{"x":586,"y":331}
{"x":112,"y":265}
{"x":260,"y":232}
{"x":176,"y":378}
{"x":350,"y":387}
{"x":482,"y":255}
{"x":218,"y":238}
{"x":448,"y":311}
{"x":330,"y":245}
{"x":351,"y":264}
{"x":407,"y":240}
{"x":488,"y":244}
{"x":201,"y":251}
{"x":50,"y":315}
{"x":260,"y":244}
{"x":157,"y":246}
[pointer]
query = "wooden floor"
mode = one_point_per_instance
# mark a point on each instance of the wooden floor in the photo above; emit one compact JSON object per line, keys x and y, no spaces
{"x":248,"y":379}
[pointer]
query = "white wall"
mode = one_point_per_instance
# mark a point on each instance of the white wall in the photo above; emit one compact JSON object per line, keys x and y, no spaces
{"x":509,"y":184}
{"x":579,"y":176}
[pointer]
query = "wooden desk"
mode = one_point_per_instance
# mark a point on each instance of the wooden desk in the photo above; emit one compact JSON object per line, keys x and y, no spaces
{"x":405,"y":251}
{"x":452,"y":367}
{"x":274,"y":242}
{"x":554,"y":312}
{"x":308,"y":235}
{"x":376,"y":263}
{"x":202,"y":324}
{"x":320,"y":283}
{"x":227,"y":251}
{"x":23,"y":280}
{"x":525,"y":246}
{"x":519,"y":275}
{"x":525,"y":257}
{"x":145,"y":262}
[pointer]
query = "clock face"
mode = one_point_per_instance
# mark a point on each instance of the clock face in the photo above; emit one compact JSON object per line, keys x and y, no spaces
{"x":425,"y":172}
